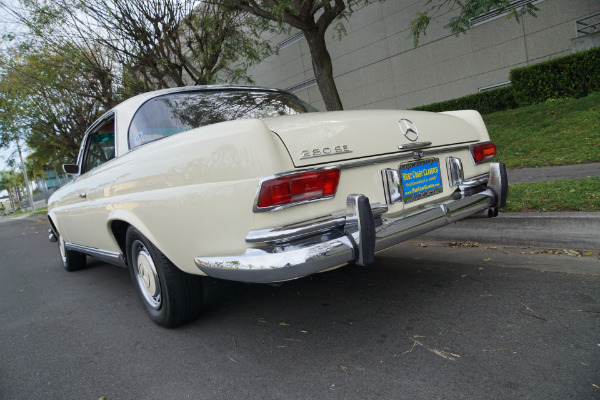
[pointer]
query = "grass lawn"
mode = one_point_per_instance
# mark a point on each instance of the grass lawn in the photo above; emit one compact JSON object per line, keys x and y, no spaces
{"x":563,"y":195}
{"x":557,"y":132}
{"x":39,"y":211}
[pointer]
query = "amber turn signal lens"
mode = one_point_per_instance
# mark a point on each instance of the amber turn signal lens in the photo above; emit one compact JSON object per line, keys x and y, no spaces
{"x":483,"y":152}
{"x":295,"y":188}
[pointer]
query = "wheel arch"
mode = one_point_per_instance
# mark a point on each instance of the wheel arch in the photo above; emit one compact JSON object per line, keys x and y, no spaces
{"x":119,"y":231}
{"x":52,"y":225}
{"x":119,"y":221}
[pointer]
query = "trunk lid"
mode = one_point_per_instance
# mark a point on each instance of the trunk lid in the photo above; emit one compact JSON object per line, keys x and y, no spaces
{"x":317,"y":138}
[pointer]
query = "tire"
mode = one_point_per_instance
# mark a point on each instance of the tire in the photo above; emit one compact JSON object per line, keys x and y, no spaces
{"x":170,"y":296}
{"x":72,"y":260}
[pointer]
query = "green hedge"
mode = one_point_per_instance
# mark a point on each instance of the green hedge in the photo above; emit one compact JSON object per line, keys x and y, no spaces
{"x":484,"y":102}
{"x":575,"y":75}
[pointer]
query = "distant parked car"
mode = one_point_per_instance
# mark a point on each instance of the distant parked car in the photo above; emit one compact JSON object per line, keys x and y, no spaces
{"x":253,"y":185}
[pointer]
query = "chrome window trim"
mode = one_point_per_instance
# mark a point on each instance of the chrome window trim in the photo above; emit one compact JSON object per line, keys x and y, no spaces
{"x":203,"y":89}
{"x":86,"y":137}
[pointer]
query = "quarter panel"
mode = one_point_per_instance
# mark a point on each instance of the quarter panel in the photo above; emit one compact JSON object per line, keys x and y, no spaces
{"x":191,"y":194}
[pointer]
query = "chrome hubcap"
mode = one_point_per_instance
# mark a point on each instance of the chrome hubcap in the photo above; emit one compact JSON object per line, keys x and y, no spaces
{"x":146,"y":275}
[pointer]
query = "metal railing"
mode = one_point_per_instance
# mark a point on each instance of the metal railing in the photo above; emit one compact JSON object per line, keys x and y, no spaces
{"x":302,"y":85}
{"x":587,"y":25}
{"x":290,"y":40}
{"x":497,"y":13}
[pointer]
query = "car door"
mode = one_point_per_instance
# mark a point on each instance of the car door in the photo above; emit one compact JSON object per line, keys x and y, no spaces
{"x":76,"y":209}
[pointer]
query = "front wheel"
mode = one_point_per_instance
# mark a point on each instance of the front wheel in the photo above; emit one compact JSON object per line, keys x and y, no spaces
{"x":72,"y":260}
{"x":170,"y":296}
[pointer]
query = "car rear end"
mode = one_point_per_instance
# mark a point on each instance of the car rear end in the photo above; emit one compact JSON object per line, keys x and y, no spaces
{"x":363,"y":181}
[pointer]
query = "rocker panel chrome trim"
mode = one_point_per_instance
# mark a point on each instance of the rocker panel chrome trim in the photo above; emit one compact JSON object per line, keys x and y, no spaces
{"x":102,"y":255}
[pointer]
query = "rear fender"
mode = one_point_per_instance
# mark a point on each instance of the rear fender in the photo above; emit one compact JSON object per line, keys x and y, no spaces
{"x":474,"y":119}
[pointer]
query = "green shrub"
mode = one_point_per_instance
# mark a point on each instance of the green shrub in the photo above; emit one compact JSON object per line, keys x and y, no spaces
{"x":484,"y":102}
{"x":572,"y":76}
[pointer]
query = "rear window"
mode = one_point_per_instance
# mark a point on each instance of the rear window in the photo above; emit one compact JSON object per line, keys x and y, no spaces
{"x":173,"y":113}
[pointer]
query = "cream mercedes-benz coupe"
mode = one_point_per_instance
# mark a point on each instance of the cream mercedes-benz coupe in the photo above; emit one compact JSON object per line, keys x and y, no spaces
{"x":253,"y":185}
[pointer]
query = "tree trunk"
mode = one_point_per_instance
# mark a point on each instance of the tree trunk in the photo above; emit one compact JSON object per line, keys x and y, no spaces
{"x":323,"y":68}
{"x":12,"y":201}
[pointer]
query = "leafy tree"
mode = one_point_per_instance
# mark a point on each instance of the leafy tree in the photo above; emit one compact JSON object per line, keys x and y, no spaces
{"x":9,"y":181}
{"x":312,"y":17}
{"x":47,"y":107}
{"x":166,"y":43}
{"x":36,"y":166}
{"x":156,"y":43}
{"x":51,"y":86}
{"x":466,"y":10}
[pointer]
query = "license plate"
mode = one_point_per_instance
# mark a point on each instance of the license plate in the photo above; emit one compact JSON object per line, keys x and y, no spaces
{"x":420,"y":179}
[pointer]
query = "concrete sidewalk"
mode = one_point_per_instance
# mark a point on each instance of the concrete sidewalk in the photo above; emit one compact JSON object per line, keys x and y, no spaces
{"x":573,"y":230}
{"x":553,"y":173}
{"x":578,"y":230}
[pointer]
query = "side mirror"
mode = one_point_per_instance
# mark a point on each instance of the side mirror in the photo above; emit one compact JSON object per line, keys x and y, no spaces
{"x":71,"y":169}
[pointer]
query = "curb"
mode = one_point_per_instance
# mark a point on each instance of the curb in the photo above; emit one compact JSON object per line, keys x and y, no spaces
{"x":579,"y":230}
{"x":36,"y":217}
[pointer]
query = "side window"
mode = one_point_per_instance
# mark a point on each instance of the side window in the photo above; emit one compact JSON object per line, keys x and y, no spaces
{"x":101,"y":146}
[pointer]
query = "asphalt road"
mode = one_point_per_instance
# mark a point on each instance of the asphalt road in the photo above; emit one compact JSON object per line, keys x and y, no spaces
{"x":431,"y":322}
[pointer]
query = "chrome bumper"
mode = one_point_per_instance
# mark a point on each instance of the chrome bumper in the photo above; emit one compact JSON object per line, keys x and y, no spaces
{"x":301,"y":249}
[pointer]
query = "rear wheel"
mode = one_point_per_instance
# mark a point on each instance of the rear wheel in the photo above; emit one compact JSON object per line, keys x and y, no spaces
{"x":72,"y":260}
{"x":170,"y":296}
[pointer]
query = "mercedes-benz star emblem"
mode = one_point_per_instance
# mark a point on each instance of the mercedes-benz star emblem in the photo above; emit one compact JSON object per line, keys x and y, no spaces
{"x":409,"y":130}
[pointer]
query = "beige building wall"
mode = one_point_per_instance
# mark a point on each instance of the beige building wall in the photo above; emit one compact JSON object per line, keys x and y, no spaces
{"x":376,"y":65}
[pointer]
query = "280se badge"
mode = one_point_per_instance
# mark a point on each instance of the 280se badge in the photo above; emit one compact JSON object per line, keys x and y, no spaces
{"x":187,"y":184}
{"x":325,"y":151}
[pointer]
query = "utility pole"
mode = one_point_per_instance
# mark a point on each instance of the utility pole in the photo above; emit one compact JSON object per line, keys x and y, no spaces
{"x":29,"y":192}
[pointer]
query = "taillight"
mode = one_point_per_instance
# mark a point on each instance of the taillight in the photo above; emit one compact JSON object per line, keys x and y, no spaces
{"x":297,"y":188}
{"x":483,"y":152}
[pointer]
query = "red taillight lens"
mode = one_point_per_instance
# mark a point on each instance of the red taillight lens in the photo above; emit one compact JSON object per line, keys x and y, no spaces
{"x":298,"y":187}
{"x":483,"y":152}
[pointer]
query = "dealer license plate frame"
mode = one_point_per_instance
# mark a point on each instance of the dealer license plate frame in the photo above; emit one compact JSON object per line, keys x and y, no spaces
{"x":425,"y":178}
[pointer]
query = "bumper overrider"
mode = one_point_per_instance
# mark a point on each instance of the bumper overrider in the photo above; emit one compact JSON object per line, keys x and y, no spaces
{"x":354,"y":235}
